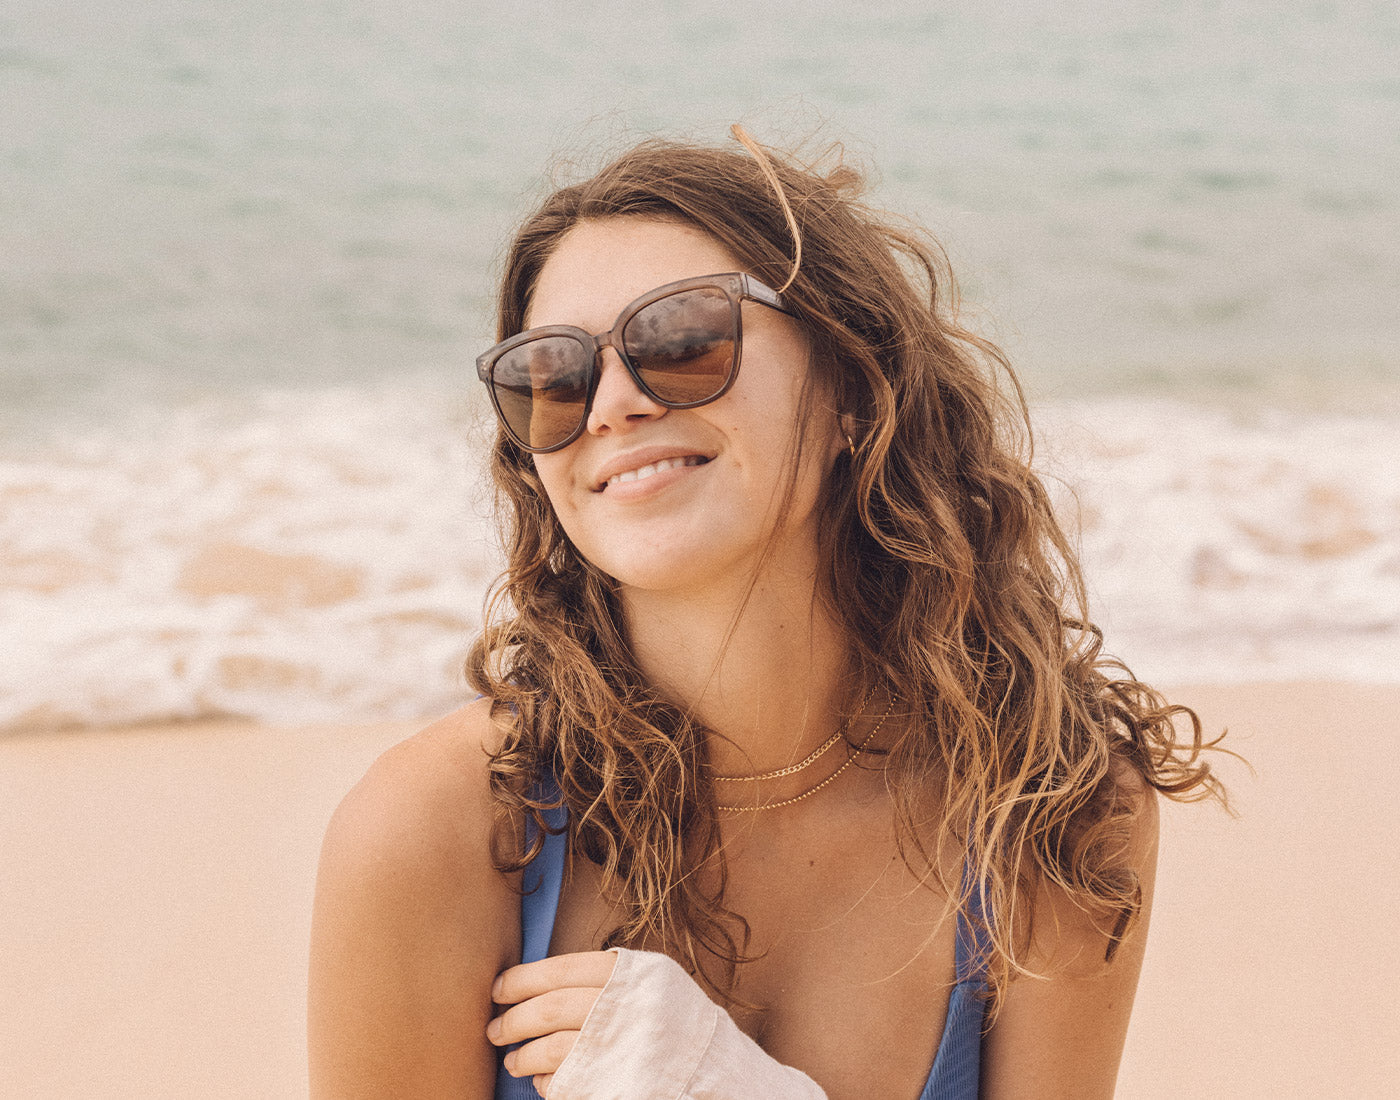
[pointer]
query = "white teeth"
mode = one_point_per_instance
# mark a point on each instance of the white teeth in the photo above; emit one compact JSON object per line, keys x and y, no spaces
{"x":645,"y":472}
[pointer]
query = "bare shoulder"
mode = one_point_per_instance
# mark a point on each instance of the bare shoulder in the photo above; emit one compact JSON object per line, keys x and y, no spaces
{"x":1072,"y":940}
{"x":424,"y":801}
{"x":1061,"y":1034}
{"x":412,"y":922}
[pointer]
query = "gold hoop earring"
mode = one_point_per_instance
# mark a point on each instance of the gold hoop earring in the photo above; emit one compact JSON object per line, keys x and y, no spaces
{"x":851,"y":444}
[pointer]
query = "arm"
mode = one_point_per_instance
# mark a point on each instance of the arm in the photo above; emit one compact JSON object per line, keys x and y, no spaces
{"x":411,"y":924}
{"x":1063,"y":1037}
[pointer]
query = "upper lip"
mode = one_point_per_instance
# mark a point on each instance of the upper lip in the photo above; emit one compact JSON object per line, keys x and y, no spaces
{"x":643,"y":456}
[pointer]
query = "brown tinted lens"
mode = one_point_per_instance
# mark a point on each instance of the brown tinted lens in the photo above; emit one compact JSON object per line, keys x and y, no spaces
{"x":541,"y":389}
{"x":683,"y":345}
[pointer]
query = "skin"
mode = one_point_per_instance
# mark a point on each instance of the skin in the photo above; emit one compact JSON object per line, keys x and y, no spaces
{"x":415,"y":933}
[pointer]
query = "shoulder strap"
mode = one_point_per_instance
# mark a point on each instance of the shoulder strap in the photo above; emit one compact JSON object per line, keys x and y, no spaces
{"x":973,"y":946}
{"x":543,"y":879}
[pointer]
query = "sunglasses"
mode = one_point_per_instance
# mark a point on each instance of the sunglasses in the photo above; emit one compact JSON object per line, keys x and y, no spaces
{"x":680,"y":343}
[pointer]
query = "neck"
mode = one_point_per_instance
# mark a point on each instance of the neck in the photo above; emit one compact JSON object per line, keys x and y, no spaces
{"x":764,"y":666}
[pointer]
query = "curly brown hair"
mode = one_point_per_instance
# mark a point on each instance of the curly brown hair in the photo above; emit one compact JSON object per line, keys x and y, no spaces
{"x":957,"y":588}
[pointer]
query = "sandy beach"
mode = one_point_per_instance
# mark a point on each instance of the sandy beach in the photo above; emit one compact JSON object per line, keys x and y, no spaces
{"x":158,"y":882}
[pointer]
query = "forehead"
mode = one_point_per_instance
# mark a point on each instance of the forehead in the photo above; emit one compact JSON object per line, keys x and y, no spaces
{"x":598,"y":267}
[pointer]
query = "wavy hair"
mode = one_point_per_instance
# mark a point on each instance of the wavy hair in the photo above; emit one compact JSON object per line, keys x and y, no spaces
{"x":958,"y":590}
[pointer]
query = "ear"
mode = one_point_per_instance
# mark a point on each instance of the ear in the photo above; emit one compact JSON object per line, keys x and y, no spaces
{"x":847,"y":425}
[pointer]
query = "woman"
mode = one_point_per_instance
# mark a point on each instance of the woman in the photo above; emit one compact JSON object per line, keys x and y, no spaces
{"x":788,"y":681}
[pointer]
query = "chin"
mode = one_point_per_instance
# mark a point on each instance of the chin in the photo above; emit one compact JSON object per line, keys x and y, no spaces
{"x":675,"y":569}
{"x":654,"y":575}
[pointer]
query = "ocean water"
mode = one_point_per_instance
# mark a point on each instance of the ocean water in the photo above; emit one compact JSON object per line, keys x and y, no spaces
{"x":248,"y":255}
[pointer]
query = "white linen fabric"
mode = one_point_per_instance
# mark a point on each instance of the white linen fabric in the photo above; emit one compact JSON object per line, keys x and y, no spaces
{"x":653,"y":1034}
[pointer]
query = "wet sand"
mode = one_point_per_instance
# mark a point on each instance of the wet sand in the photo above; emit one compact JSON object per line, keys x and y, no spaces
{"x":155,"y":906}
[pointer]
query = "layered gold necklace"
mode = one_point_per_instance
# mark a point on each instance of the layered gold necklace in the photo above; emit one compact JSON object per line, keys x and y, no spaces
{"x":816,"y":754}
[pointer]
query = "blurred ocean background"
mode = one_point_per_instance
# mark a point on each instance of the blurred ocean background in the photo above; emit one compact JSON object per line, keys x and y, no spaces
{"x":246,"y":259}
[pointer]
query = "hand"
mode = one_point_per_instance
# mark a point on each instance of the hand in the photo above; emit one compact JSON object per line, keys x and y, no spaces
{"x":550,"y":999}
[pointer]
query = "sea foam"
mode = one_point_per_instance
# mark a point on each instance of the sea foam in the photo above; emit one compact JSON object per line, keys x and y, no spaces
{"x":325,"y":556}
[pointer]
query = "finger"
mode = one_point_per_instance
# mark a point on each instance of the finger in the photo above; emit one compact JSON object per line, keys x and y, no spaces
{"x":541,"y":1056}
{"x":556,"y":1010}
{"x":541,"y":1083}
{"x":580,"y":969}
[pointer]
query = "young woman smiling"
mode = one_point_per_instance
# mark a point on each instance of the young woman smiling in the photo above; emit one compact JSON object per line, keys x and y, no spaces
{"x":798,"y":769}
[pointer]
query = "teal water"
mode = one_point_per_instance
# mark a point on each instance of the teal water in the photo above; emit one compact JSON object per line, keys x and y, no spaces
{"x":1148,"y":196}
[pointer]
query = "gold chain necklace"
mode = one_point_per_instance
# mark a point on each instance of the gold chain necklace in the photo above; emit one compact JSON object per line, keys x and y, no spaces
{"x":813,"y":790}
{"x":817,"y":753}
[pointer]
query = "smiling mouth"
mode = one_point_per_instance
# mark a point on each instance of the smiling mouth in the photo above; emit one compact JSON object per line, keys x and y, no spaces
{"x":644,"y":472}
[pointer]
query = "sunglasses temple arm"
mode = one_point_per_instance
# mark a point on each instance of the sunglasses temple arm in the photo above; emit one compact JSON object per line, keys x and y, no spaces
{"x":763,"y":294}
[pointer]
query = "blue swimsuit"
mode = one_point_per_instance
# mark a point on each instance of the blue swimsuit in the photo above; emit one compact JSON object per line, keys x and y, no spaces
{"x":955,"y":1067}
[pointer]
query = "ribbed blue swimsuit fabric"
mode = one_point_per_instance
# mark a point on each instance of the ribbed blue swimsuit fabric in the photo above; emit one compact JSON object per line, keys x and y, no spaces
{"x":954,"y":1075}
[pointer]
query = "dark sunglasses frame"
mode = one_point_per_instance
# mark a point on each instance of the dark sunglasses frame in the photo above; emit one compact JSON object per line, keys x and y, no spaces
{"x":736,"y":287}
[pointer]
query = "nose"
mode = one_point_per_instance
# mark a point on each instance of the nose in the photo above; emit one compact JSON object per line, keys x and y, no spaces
{"x":618,"y":403}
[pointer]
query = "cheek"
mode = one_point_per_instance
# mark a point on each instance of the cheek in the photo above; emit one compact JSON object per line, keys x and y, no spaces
{"x":553,"y":474}
{"x":553,"y":479}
